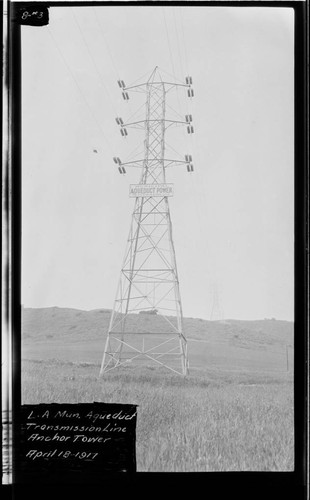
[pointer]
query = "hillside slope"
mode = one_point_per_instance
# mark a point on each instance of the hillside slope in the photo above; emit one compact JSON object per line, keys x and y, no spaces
{"x":79,"y":336}
{"x":74,"y":324}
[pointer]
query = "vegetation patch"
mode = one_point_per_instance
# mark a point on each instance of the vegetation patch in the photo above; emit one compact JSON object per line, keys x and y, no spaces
{"x":198,"y":423}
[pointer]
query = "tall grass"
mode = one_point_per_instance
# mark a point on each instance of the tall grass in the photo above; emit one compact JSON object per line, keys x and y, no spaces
{"x":204,"y":423}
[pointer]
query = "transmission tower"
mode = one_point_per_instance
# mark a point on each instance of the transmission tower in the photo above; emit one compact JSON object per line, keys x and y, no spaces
{"x":146,"y":323}
{"x":217,"y":311}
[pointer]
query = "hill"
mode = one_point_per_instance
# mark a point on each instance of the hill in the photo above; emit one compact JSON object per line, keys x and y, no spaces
{"x":56,"y":322}
{"x":76,"y":335}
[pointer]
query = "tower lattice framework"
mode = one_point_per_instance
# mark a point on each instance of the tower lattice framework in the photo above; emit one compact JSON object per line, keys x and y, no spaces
{"x":146,"y":323}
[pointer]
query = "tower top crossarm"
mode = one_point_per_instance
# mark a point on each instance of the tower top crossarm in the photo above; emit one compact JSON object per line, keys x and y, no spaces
{"x":156,"y":79}
{"x":173,"y":84}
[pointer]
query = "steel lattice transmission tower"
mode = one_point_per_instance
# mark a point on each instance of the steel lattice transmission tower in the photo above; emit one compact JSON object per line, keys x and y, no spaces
{"x":146,"y":323}
{"x":216,"y":311}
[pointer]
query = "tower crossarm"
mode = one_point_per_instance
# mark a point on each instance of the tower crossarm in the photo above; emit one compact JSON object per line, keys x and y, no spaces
{"x":167,"y":162}
{"x":143,"y":86}
{"x":141,"y":123}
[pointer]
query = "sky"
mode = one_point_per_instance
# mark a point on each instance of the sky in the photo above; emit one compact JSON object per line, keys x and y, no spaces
{"x":233,"y":217}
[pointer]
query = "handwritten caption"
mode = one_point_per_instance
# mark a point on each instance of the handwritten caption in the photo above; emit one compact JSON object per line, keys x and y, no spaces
{"x":89,"y":437}
{"x":36,"y":15}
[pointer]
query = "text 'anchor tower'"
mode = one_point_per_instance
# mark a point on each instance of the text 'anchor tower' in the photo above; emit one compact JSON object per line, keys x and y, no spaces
{"x":146,"y":323}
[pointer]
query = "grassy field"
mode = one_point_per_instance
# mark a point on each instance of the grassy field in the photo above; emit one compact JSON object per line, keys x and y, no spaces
{"x":206,"y":422}
{"x":234,"y":412}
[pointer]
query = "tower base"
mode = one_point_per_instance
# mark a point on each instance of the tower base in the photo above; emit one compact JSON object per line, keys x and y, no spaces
{"x":165,"y":349}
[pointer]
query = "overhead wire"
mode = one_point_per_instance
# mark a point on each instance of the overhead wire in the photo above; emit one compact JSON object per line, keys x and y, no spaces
{"x":114,"y":66}
{"x":93,"y":60}
{"x":174,"y":150}
{"x":135,"y":113}
{"x":106,"y":43}
{"x":180,"y":54}
{"x":181,"y":114}
{"x":182,"y":29}
{"x":176,"y":112}
{"x":169,"y":46}
{"x":182,"y":36}
{"x":171,"y":56}
{"x":178,"y":42}
{"x":148,"y":73}
{"x":100,"y":30}
{"x":78,"y":87}
{"x":169,"y":75}
{"x":196,"y":187}
{"x":134,"y":153}
{"x":192,"y":136}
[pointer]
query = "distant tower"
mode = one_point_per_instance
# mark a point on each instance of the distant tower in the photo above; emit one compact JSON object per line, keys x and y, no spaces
{"x":146,"y":323}
{"x":216,"y":311}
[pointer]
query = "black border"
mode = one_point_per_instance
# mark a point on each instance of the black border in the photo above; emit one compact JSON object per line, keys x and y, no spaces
{"x":213,"y":484}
